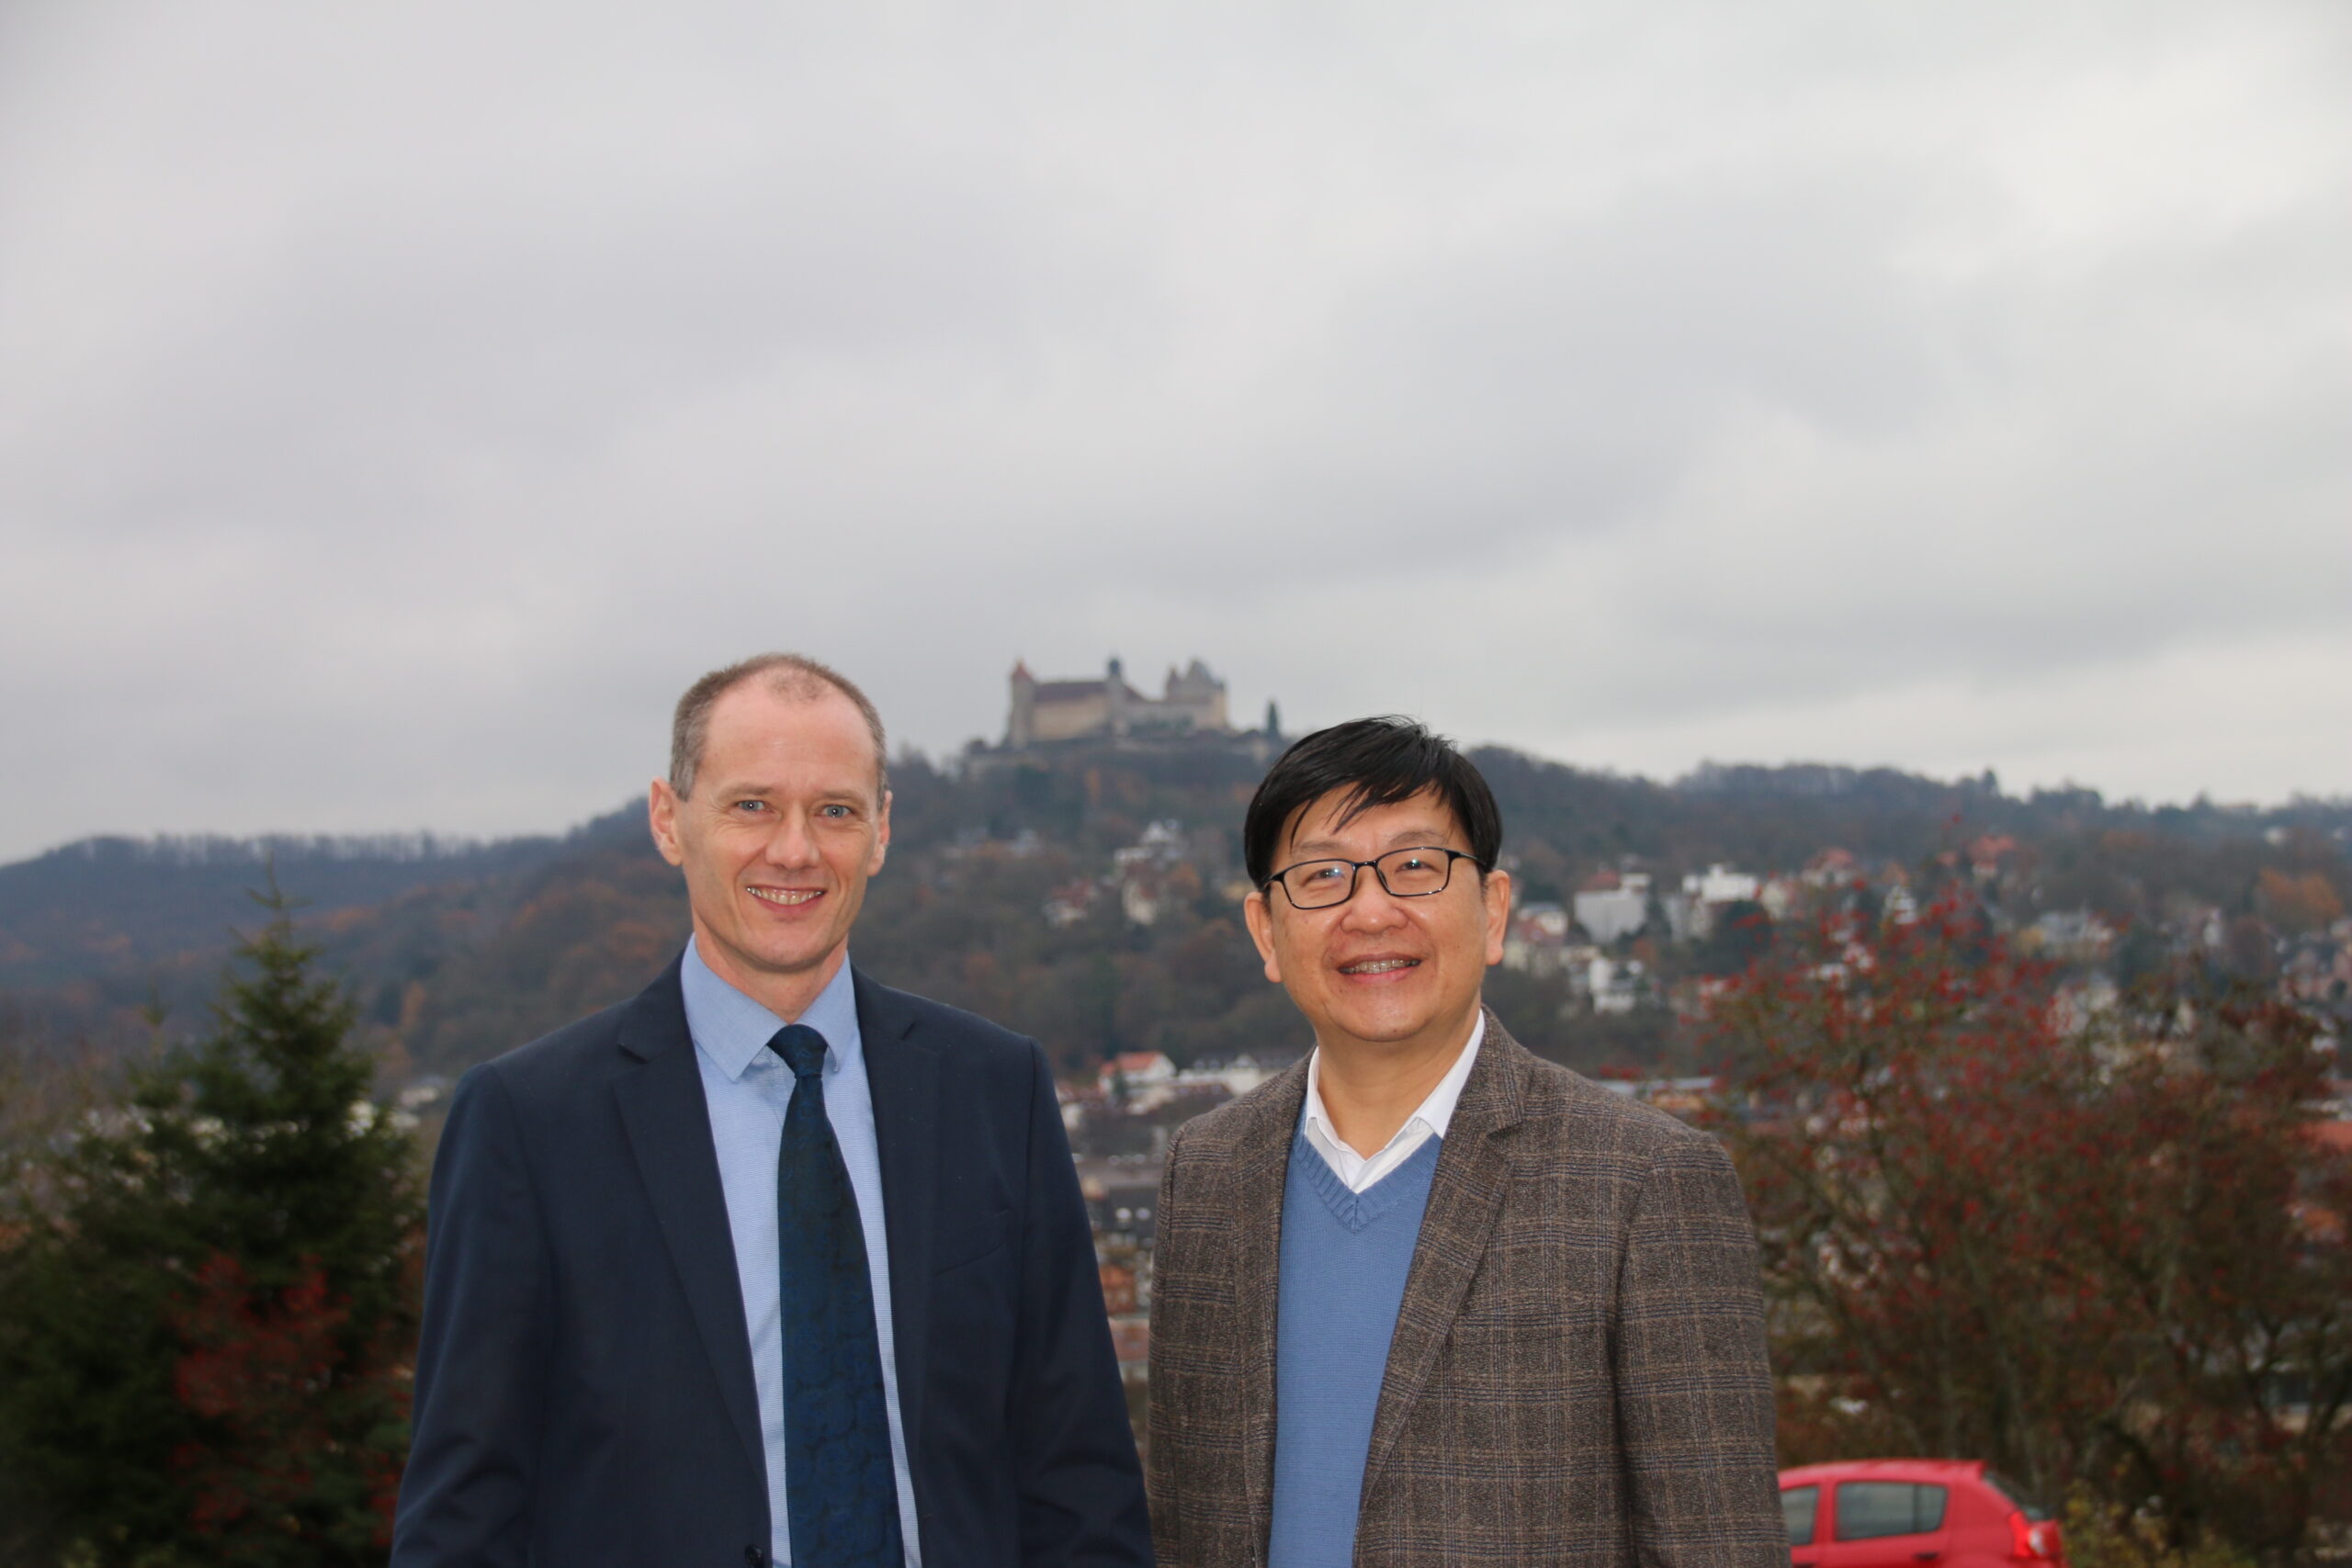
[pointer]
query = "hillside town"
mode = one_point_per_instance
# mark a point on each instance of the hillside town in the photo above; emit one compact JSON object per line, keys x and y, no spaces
{"x":1635,"y":940}
{"x":1972,"y":1053}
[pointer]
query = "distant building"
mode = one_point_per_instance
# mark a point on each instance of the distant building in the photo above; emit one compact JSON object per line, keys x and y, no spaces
{"x":1118,"y":1288}
{"x":1130,"y":1071}
{"x":1119,"y":1199}
{"x":1537,"y":938}
{"x":1151,"y":873}
{"x":1070,"y":904}
{"x":1077,"y":1101}
{"x":2071,"y":936}
{"x":1190,"y":701}
{"x":1685,"y":1098}
{"x":1615,"y":986}
{"x":1832,"y":867}
{"x":1237,"y":1077}
{"x":1705,"y":894}
{"x":1720,"y":885}
{"x":1608,"y":913}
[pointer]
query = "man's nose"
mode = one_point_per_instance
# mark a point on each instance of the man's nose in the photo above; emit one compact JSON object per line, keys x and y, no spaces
{"x":1372,"y":906}
{"x":791,"y":843}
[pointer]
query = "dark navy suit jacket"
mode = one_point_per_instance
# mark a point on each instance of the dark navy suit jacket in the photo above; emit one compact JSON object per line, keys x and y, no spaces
{"x":583,"y":1384}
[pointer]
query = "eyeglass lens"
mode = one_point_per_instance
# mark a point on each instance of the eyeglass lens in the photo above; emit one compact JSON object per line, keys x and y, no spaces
{"x":1406,"y":873}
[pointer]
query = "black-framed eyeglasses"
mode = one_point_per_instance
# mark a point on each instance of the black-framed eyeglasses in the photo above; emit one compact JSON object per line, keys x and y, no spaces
{"x":1414,"y":873}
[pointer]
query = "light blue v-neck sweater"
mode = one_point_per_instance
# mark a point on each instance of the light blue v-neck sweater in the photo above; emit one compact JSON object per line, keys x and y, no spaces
{"x":1344,"y":1258}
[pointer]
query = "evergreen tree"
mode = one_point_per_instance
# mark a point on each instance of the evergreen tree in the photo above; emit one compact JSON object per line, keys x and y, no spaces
{"x":208,"y":1294}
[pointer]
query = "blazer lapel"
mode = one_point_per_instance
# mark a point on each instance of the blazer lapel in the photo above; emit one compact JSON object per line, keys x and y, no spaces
{"x":1465,"y":1198}
{"x":669,"y":1133}
{"x":1260,"y":1168}
{"x":903,"y":1076}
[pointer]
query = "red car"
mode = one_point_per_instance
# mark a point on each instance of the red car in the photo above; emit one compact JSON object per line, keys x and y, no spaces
{"x":1900,"y":1513}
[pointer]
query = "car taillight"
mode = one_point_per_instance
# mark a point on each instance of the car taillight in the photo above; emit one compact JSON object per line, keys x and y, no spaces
{"x":2033,"y":1540}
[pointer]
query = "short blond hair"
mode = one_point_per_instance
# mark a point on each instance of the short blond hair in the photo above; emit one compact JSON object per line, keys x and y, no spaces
{"x":792,"y":676}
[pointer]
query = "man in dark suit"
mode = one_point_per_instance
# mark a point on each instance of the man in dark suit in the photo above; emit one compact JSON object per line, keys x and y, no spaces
{"x":772,"y":1263}
{"x":1424,"y":1298}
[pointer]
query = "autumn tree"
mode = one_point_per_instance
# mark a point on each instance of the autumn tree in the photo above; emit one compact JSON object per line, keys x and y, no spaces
{"x":1741,"y":933}
{"x":208,"y":1294}
{"x":2102,"y":1248}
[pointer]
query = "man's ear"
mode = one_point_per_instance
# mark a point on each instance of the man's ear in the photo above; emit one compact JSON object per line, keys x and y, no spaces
{"x":1258,"y":915}
{"x":1497,"y":894}
{"x":662,"y":817}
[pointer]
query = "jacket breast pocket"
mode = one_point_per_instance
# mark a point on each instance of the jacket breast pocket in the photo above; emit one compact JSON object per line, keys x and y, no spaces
{"x":968,"y":1244}
{"x":974,"y":1315}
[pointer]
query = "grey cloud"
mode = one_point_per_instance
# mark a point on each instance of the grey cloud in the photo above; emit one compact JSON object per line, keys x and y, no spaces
{"x":396,"y":409}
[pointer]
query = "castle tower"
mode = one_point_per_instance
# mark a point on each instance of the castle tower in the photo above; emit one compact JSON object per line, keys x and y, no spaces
{"x":1115,"y":693}
{"x":1195,"y":698}
{"x":1021,"y":726}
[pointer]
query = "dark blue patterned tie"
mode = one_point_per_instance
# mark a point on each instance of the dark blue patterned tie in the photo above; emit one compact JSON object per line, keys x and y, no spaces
{"x":842,"y":1495}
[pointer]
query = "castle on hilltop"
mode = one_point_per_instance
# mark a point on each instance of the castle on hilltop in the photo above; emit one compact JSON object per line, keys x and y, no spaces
{"x":1192,"y":702}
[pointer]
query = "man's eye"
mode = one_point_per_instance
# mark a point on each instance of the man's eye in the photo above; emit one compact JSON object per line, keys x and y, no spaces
{"x":1327,"y":872}
{"x":837,"y":813}
{"x":751,"y":806}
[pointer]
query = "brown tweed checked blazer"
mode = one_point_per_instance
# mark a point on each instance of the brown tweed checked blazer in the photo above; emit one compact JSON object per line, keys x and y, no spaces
{"x":1577,"y":1374}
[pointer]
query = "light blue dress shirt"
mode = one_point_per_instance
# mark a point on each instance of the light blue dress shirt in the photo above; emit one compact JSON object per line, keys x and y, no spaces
{"x":748,"y":1088}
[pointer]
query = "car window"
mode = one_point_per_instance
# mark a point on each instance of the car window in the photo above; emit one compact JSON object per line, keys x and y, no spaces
{"x":2016,"y":1497}
{"x":1870,"y":1509}
{"x":1798,"y":1505}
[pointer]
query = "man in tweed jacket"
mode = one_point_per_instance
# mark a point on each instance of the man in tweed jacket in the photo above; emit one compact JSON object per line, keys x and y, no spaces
{"x":1574,"y":1369}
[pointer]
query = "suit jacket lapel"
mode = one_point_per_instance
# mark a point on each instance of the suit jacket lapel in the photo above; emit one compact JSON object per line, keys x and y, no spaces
{"x":661,"y":1105}
{"x":1261,"y":1166}
{"x":903,"y":1076}
{"x":1465,"y":1198}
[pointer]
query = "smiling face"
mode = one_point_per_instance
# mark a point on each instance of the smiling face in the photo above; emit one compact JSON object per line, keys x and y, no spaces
{"x":787,"y":821}
{"x":1381,"y":972}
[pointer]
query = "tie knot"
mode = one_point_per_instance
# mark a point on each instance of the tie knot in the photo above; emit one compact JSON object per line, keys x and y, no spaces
{"x":802,"y":1048}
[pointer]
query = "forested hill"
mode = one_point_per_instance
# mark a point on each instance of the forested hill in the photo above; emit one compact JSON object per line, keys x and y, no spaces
{"x":1088,"y":898}
{"x":81,"y":909}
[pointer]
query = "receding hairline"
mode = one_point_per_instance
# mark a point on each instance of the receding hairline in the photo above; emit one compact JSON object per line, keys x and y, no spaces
{"x":793,"y":685}
{"x":795,"y":677}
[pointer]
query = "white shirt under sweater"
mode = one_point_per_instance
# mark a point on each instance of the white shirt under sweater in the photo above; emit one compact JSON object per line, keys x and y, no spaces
{"x":1436,"y":1113}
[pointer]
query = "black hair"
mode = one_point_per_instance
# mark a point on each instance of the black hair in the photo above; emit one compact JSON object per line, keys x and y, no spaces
{"x":1377,"y":761}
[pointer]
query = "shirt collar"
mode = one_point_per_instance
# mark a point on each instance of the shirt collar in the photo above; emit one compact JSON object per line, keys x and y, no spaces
{"x":1436,"y":1112}
{"x":733,"y":1031}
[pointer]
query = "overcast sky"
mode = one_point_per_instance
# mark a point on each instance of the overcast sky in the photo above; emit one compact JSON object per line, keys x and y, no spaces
{"x":400,"y":403}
